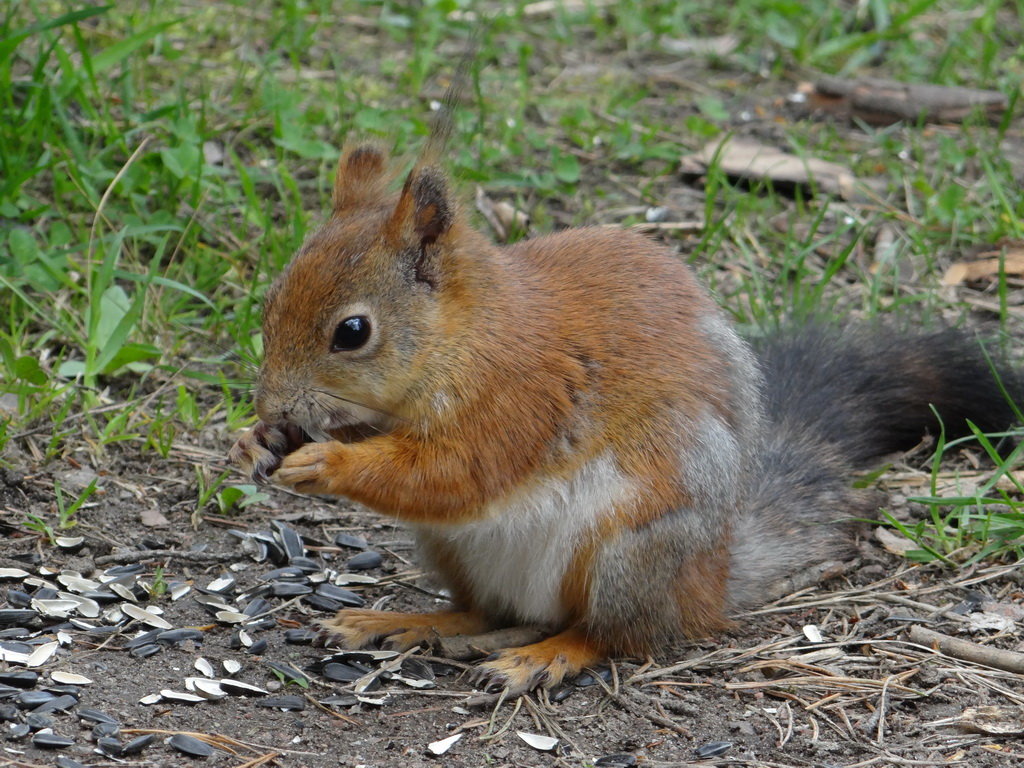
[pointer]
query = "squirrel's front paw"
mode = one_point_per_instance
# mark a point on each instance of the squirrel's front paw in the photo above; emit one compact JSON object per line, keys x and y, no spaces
{"x":259,"y":451}
{"x":309,"y":469}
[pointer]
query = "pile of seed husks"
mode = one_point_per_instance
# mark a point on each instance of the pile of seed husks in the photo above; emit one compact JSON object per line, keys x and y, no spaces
{"x":48,"y":616}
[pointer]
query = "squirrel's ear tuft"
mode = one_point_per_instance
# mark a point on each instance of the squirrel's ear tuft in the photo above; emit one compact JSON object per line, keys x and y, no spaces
{"x":425,"y":209}
{"x":361,"y":177}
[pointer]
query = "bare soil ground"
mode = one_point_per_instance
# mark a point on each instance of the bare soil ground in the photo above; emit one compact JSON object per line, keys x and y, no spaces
{"x":770,"y":693}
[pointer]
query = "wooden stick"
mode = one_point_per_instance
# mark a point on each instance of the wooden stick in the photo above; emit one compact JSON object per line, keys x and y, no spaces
{"x":1009,"y":661}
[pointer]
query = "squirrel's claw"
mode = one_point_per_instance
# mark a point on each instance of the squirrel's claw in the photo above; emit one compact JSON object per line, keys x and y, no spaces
{"x":259,"y":452}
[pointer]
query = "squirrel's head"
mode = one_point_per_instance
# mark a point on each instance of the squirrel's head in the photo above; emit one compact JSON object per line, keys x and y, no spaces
{"x":348,"y":326}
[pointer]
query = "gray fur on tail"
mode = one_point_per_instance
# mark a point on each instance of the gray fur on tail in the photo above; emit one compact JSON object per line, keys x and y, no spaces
{"x":835,"y":400}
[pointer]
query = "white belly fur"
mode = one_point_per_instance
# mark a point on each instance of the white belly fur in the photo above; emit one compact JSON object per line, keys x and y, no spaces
{"x":515,"y":559}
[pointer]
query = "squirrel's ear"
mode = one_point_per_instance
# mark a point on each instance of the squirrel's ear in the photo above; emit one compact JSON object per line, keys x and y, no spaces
{"x":425,"y":209}
{"x":423,"y":216}
{"x":362,"y":176}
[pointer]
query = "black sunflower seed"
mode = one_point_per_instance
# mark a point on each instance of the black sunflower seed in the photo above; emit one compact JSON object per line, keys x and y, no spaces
{"x":364,"y":561}
{"x":299,"y":636}
{"x":138,"y":744}
{"x":46,"y":740}
{"x":95,"y":716}
{"x":351,"y":541}
{"x":289,"y":703}
{"x":713,"y":749}
{"x":143,"y":651}
{"x":190,"y":745}
{"x":108,"y":745}
{"x":24,"y":678}
{"x":37,"y":722}
{"x":105,"y":731}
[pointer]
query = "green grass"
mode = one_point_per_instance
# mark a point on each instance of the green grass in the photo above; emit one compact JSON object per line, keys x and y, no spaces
{"x":159,"y":162}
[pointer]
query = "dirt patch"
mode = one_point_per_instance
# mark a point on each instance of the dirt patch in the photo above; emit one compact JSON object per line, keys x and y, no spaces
{"x":765,"y":694}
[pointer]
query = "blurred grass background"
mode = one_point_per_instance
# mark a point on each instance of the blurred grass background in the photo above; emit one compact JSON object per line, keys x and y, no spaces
{"x":159,"y":163}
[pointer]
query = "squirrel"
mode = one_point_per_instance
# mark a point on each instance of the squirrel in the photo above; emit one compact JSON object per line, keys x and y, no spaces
{"x":570,"y":426}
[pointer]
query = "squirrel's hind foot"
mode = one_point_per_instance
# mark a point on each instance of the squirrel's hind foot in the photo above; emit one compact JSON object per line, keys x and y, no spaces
{"x":539,"y":665}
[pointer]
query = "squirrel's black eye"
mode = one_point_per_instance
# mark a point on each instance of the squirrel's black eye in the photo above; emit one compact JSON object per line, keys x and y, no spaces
{"x":351,"y":333}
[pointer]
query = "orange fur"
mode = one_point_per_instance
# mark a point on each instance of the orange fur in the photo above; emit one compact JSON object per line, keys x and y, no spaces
{"x":499,"y":375}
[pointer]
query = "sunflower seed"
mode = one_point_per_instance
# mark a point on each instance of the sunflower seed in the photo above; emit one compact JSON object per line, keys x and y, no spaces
{"x":299,"y":636}
{"x":138,"y":744}
{"x":69,"y":678}
{"x":180,"y":635}
{"x":13,"y":573}
{"x":95,"y":716}
{"x":183,"y":697}
{"x":364,"y":561}
{"x":110,"y":746}
{"x":146,"y":616}
{"x":190,"y":745}
{"x":42,"y":654}
{"x":36,"y":721}
{"x":351,"y":541}
{"x":22,"y":678}
{"x":615,"y":761}
{"x":151,"y":698}
{"x":208,"y":689}
{"x":232,"y":666}
{"x":104,"y":730}
{"x":16,"y":731}
{"x":238,"y":688}
{"x":145,"y":651}
{"x":290,"y":539}
{"x":222,"y":585}
{"x":10,"y":617}
{"x":204,"y":666}
{"x":538,"y":741}
{"x":177,"y":590}
{"x":50,"y":740}
{"x":58,"y":703}
{"x":284,"y":703}
{"x":441,"y":746}
{"x":713,"y":749}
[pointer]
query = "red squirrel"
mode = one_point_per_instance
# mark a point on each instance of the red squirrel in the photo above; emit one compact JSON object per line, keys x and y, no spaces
{"x":570,"y":426}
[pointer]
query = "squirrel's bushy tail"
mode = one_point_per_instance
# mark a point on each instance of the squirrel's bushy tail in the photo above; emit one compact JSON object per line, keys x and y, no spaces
{"x":834,"y":400}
